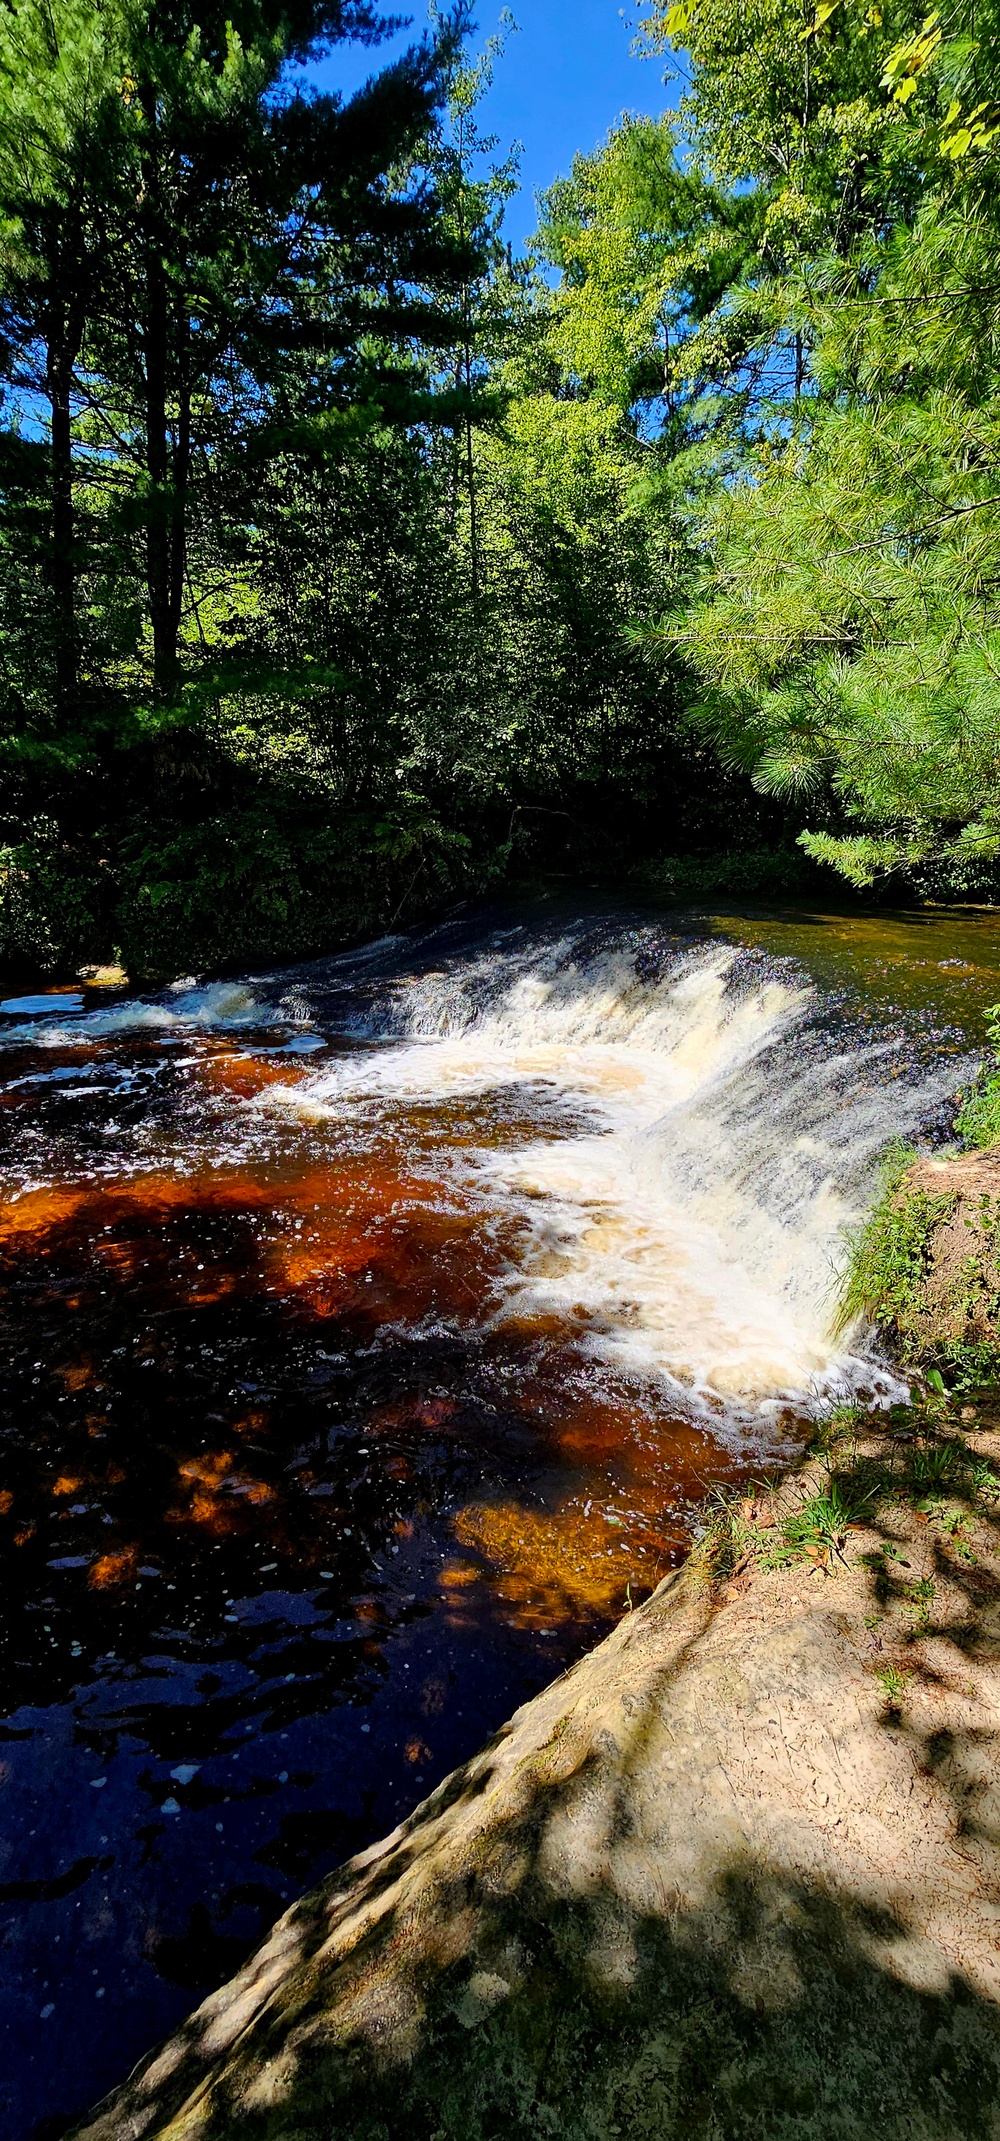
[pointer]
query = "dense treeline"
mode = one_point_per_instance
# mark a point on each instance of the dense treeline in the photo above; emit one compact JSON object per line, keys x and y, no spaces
{"x":346,"y":562}
{"x":845,"y":626}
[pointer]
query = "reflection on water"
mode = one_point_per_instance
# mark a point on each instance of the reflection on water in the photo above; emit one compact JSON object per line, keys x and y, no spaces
{"x":943,"y":961}
{"x":365,"y":1339}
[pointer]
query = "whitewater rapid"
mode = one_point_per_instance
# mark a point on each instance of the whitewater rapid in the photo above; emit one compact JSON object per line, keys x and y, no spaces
{"x":718,"y":1130}
{"x":695,"y":1224}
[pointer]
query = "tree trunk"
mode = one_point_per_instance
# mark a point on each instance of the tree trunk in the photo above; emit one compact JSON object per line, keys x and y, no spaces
{"x":62,"y":561}
{"x":470,"y":477}
{"x":159,"y":546}
{"x":178,"y":518}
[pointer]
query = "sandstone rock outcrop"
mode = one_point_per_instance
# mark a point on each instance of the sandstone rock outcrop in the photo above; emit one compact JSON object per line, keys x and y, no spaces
{"x":736,"y":1874}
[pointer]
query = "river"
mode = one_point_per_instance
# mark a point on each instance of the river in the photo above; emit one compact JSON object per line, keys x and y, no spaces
{"x":373,"y":1332}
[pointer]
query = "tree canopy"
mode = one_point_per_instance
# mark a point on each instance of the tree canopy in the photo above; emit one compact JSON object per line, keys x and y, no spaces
{"x":348,"y":562}
{"x":845,"y":622}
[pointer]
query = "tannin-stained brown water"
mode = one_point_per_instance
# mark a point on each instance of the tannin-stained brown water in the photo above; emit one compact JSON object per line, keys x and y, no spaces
{"x":371,"y":1337}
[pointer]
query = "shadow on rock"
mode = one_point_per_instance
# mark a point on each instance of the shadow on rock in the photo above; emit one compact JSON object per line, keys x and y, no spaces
{"x":706,"y":1884}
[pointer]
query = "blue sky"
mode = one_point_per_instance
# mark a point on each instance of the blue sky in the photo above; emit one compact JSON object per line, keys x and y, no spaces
{"x":567,"y":74}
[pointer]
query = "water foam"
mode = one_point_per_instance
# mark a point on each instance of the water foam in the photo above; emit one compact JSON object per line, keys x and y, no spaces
{"x":720,"y":1141}
{"x":189,"y":1008}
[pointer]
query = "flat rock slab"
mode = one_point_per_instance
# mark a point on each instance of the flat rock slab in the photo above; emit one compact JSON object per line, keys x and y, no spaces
{"x":715,"y":1882}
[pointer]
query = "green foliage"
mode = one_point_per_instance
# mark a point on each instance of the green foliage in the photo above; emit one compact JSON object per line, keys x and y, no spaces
{"x":342,"y":519}
{"x":978,"y":1118}
{"x":849,"y":635}
{"x":926,"y":1268}
{"x":845,"y":631}
{"x":935,"y":1465}
{"x":754,"y":873}
{"x":335,"y":528}
{"x":784,"y":106}
{"x":53,"y":901}
{"x":891,"y":1253}
{"x":244,"y":888}
{"x":873,"y":1465}
{"x":645,"y":249}
{"x":821,"y":1523}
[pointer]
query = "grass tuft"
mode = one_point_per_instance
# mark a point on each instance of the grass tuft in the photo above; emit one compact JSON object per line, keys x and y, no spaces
{"x":821,"y":1525}
{"x":891,"y":1251}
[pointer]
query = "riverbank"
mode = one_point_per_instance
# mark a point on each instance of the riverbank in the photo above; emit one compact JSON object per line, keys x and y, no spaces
{"x":926,"y":1265}
{"x":373,"y":1334}
{"x":736,"y":1873}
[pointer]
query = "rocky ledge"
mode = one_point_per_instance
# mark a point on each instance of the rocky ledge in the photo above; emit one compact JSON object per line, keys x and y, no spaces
{"x":927,"y":1267}
{"x":736,"y":1874}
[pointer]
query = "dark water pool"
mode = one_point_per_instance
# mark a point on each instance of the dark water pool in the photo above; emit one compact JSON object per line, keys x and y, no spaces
{"x":286,"y":1531}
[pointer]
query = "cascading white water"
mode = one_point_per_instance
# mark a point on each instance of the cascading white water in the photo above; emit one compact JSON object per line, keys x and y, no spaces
{"x":58,"y":1022}
{"x":692,"y":1221}
{"x":712,"y":1130}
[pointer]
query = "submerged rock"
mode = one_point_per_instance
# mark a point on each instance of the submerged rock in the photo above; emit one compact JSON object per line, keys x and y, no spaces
{"x":735,"y":1874}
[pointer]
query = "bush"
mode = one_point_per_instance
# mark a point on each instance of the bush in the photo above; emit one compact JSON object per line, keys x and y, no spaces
{"x":758,"y":873}
{"x":55,"y":901}
{"x":891,"y":1252}
{"x":926,"y":1267}
{"x":978,"y":1119}
{"x":243,"y":886}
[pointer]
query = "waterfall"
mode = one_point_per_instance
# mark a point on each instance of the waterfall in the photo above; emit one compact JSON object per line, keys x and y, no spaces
{"x":723,"y":1127}
{"x":699,"y":1129}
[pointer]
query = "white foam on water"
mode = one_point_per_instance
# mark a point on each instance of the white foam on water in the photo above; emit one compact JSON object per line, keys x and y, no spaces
{"x":692,"y":1223}
{"x":223,"y":1005}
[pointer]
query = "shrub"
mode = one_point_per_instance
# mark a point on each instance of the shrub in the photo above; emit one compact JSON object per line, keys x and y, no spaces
{"x":55,"y":901}
{"x":891,"y":1252}
{"x":246,"y":886}
{"x":978,"y":1119}
{"x":757,"y":873}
